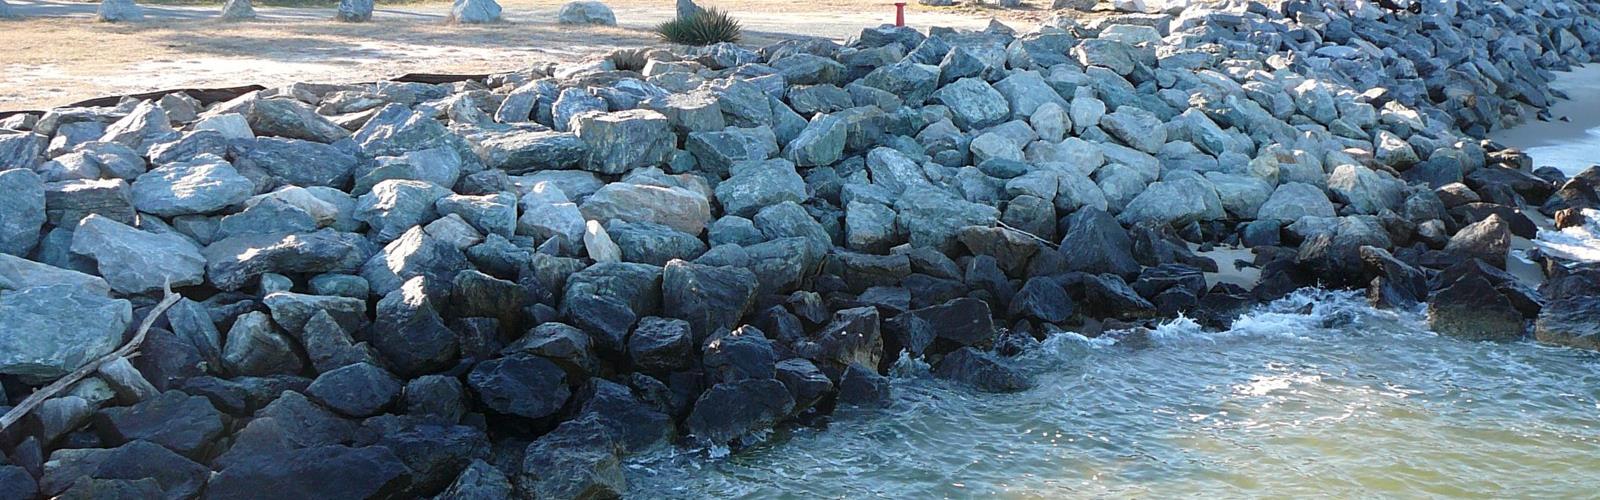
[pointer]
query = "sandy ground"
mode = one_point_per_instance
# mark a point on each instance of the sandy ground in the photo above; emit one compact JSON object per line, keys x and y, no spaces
{"x":56,"y":54}
{"x":1571,"y":145}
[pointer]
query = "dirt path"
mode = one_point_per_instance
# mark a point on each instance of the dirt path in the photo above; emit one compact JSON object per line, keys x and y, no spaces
{"x":57,"y":55}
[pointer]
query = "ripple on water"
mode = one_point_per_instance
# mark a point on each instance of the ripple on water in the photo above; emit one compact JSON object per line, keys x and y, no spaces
{"x":1314,"y":395}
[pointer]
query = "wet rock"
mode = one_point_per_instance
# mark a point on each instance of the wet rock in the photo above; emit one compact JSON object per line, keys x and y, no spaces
{"x":728,"y":411}
{"x":851,"y":338}
{"x":1488,"y":240}
{"x":982,"y":371}
{"x":742,"y":354}
{"x":433,"y":452}
{"x":1044,"y":299}
{"x":638,"y":427}
{"x":524,"y":385}
{"x":188,"y":425}
{"x":579,"y":459}
{"x":807,"y":384}
{"x":38,"y":340}
{"x":1570,"y":322}
{"x":863,"y":386}
{"x":1395,"y":284}
{"x":1472,"y":309}
{"x":1108,"y":296}
{"x":134,"y":261}
{"x":957,"y":323}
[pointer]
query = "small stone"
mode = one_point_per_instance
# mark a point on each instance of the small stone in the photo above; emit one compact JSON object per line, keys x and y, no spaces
{"x":586,"y":12}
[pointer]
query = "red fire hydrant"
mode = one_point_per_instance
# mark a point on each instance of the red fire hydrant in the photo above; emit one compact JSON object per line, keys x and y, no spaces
{"x":899,"y":13}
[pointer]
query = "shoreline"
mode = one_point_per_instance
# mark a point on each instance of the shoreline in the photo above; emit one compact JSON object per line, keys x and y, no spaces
{"x":507,"y":286}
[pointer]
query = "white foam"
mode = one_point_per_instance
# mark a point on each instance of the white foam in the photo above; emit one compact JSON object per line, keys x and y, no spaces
{"x":1579,"y":243}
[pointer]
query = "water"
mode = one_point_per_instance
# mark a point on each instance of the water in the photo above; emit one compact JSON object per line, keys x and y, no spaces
{"x":1339,"y":401}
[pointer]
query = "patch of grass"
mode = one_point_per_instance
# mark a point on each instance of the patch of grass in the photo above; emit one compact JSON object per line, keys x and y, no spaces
{"x":710,"y":26}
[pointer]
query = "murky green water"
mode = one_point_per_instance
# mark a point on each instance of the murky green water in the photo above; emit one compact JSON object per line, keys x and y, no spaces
{"x":1343,"y":402}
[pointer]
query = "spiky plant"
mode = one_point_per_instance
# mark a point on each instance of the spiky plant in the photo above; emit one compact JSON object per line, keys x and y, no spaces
{"x":709,"y":26}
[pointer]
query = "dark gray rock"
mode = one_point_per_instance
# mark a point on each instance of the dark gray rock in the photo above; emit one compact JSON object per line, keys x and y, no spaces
{"x":233,"y":262}
{"x":709,"y":298}
{"x":322,"y":472}
{"x":22,"y":211}
{"x":356,"y":390}
{"x":635,"y":424}
{"x":1472,"y":309}
{"x":294,"y":119}
{"x":982,"y":371}
{"x":1570,"y":322}
{"x":579,"y":459}
{"x":1044,"y":299}
{"x":187,"y":425}
{"x":661,"y":345}
{"x":731,"y":410}
{"x":409,"y":334}
{"x":1488,"y":240}
{"x":256,"y":348}
{"x":300,"y":162}
{"x":742,"y":354}
{"x":863,"y":386}
{"x":524,"y":385}
{"x":479,"y":481}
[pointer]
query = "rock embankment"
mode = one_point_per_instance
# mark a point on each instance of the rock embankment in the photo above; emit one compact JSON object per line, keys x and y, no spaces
{"x":503,"y":287}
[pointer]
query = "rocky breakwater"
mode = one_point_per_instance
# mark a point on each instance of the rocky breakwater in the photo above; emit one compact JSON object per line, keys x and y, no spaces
{"x":504,"y":287}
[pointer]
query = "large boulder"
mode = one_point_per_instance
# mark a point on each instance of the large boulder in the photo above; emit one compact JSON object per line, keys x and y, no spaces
{"x":1175,"y":202}
{"x":294,"y":119}
{"x":1488,"y":240}
{"x":354,"y":11}
{"x":973,"y":103}
{"x":48,"y":331}
{"x":202,"y":186}
{"x":1472,"y":308}
{"x":1571,"y":322}
{"x":710,"y":298}
{"x":474,"y":11}
{"x":232,"y":263}
{"x":731,"y":410}
{"x":1294,"y":200}
{"x":579,"y":459}
{"x":675,"y":207}
{"x":586,"y":12}
{"x":1096,"y":243}
{"x":320,"y":472}
{"x":520,"y":384}
{"x":134,"y":261}
{"x":982,"y":371}
{"x":820,"y":143}
{"x":116,"y":11}
{"x":624,"y":140}
{"x":188,"y":425}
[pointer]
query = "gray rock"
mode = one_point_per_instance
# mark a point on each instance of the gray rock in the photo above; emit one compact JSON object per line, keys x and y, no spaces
{"x":233,"y":262}
{"x":408,"y":332}
{"x":294,"y":119}
{"x":1176,"y":202}
{"x":523,"y":152}
{"x":39,"y":340}
{"x":26,"y":150}
{"x":932,"y":218}
{"x":22,"y":211}
{"x":475,"y":11}
{"x":586,"y":12}
{"x":203,"y":186}
{"x":624,"y":140}
{"x":1294,"y":200}
{"x":354,"y":11}
{"x":300,"y":162}
{"x":395,"y":206}
{"x":716,"y":151}
{"x":1242,"y":195}
{"x":489,"y":214}
{"x":1570,"y":322}
{"x":675,"y":207}
{"x":17,"y":273}
{"x":973,"y":103}
{"x":870,"y":227}
{"x":255,"y":348}
{"x":661,"y":345}
{"x":1025,"y":92}
{"x":1488,"y":240}
{"x":821,"y":143}
{"x":147,"y":124}
{"x":1136,"y":127}
{"x":415,"y":254}
{"x":653,"y":244}
{"x":479,"y":481}
{"x":1364,"y":190}
{"x":710,"y":298}
{"x":759,"y":184}
{"x":1096,"y":243}
{"x":134,"y":261}
{"x":238,"y":10}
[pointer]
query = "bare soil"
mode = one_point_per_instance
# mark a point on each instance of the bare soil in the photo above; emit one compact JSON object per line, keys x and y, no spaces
{"x":57,"y":54}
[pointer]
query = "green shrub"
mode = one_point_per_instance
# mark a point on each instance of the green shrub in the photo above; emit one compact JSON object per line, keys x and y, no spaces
{"x":709,"y":26}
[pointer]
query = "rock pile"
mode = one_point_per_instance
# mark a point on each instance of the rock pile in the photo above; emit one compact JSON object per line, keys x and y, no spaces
{"x":505,"y":286}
